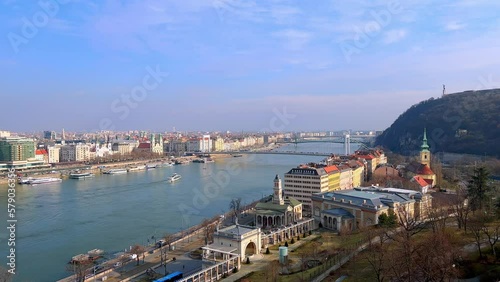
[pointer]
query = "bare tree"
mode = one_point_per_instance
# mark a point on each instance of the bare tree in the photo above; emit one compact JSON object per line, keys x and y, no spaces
{"x":461,"y":208}
{"x":137,"y":250}
{"x":272,"y":270}
{"x":476,"y":226}
{"x":437,"y":218}
{"x":377,"y":252}
{"x":169,"y":239}
{"x":208,"y":230}
{"x":235,"y":206}
{"x":304,"y":256}
{"x":492,"y":233}
{"x":435,"y":256}
{"x":80,"y":269}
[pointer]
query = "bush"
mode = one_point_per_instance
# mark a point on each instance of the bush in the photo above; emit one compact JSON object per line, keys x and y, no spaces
{"x":267,"y":251}
{"x":248,"y":260}
{"x":292,"y":242}
{"x":310,"y":232}
{"x":286,"y":244}
{"x":298,"y":237}
{"x":235,"y":270}
{"x":305,"y":235}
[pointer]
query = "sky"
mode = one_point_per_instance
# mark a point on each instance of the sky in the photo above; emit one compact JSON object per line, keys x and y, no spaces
{"x":209,"y":65}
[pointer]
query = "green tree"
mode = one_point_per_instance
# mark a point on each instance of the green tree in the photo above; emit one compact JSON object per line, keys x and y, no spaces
{"x":478,"y":188}
{"x":387,"y":220}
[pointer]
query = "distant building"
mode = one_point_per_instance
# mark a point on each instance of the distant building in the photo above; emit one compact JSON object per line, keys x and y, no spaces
{"x":423,"y":168}
{"x":124,"y":147}
{"x":54,"y":153}
{"x":18,"y":153}
{"x":13,"y":149}
{"x":49,"y":135}
{"x":42,"y":155}
{"x":4,"y":134}
{"x":74,"y":153}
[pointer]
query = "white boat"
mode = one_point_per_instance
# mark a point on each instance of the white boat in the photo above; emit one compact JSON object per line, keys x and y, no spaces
{"x":174,"y":177}
{"x":137,"y":168}
{"x":80,"y":175}
{"x":36,"y":181}
{"x":24,"y":180}
{"x":152,"y":166}
{"x":116,"y":171}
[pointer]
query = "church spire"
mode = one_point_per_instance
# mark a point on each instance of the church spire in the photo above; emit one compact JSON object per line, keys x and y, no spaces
{"x":425,"y":146}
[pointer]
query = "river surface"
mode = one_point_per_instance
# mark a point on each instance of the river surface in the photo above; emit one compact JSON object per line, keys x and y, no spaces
{"x":113,"y":212}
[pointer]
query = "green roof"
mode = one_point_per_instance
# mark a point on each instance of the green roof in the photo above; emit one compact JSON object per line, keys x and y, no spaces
{"x":271,"y":206}
{"x":293,"y":202}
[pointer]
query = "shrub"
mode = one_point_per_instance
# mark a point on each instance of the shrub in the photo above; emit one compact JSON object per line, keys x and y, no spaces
{"x":305,"y":235}
{"x":298,"y":237}
{"x":235,"y":270}
{"x":286,"y":244}
{"x":248,"y":260}
{"x":292,"y":242}
{"x":310,"y":232}
{"x":267,"y":251}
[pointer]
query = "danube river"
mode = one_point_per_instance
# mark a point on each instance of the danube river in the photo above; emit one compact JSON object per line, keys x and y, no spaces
{"x":112,"y":212}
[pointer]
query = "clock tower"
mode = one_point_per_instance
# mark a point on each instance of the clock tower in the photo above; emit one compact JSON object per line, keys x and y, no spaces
{"x":425,"y":154}
{"x":278,"y":192}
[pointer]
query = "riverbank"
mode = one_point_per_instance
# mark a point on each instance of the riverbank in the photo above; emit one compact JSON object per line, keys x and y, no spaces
{"x":179,"y":246}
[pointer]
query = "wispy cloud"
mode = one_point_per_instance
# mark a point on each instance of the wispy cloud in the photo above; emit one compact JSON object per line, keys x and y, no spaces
{"x":294,"y":39}
{"x":454,"y":25}
{"x":395,"y":35}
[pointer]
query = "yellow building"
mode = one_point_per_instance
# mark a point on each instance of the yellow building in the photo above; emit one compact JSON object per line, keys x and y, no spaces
{"x":333,"y":177}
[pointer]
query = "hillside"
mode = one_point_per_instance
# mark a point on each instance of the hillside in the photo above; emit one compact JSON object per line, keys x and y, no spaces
{"x":466,"y":122}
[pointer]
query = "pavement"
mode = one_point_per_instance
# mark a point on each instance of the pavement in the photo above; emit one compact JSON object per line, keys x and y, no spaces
{"x":260,"y":262}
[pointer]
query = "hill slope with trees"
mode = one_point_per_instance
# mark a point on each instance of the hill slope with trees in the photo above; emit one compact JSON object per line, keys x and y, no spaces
{"x":466,"y":122}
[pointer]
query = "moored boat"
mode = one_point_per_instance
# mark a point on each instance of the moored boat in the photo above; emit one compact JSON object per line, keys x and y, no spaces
{"x":80,"y":175}
{"x":116,"y":171}
{"x":137,"y":168}
{"x":36,"y":181}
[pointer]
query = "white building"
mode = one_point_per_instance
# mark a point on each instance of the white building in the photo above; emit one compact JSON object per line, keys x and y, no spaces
{"x":242,"y":240}
{"x":75,"y":153}
{"x":206,"y":144}
{"x":54,"y":153}
{"x":4,"y":133}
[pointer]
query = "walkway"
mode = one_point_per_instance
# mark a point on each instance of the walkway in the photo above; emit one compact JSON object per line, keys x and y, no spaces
{"x":258,"y":264}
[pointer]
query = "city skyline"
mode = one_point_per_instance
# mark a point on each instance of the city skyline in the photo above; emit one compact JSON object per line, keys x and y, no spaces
{"x":232,"y":65}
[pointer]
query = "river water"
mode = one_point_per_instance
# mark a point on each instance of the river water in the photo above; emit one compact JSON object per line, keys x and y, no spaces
{"x":113,"y":212}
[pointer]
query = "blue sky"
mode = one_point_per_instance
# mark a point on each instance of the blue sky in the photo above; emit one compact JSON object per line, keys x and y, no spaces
{"x":233,"y":64}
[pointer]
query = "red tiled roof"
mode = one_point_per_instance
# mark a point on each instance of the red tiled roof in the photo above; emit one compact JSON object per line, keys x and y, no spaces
{"x":429,"y":181}
{"x":425,"y":170}
{"x":331,"y":168}
{"x":41,"y":152}
{"x":366,"y":157}
{"x":422,"y":182}
{"x":144,"y":146}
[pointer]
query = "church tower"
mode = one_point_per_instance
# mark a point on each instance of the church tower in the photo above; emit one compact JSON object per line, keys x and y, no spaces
{"x":425,"y":154}
{"x":278,"y":191}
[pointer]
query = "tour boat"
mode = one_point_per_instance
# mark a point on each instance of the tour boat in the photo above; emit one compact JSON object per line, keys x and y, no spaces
{"x":80,"y":175}
{"x":36,"y":181}
{"x":116,"y":171}
{"x":174,"y":177}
